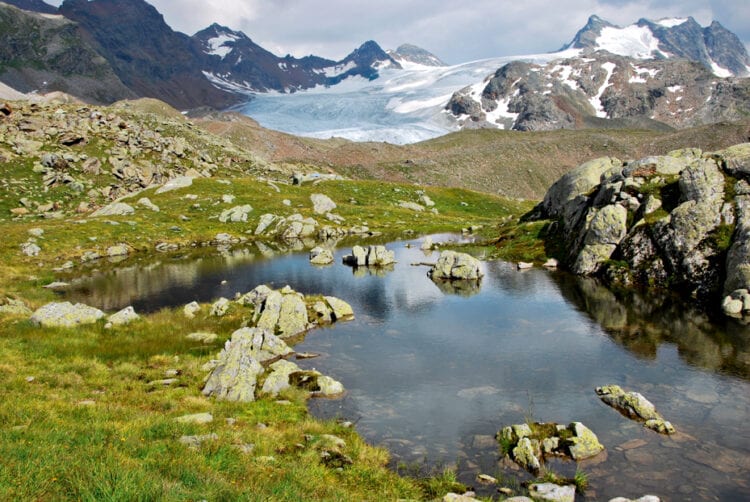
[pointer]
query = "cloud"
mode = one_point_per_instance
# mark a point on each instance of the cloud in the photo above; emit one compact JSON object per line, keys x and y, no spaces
{"x":454,"y":31}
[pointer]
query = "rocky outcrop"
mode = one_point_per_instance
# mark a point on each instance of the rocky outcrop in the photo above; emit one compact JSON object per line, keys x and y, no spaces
{"x":409,"y":53}
{"x":529,"y":444}
{"x":634,"y":405}
{"x":678,"y":220}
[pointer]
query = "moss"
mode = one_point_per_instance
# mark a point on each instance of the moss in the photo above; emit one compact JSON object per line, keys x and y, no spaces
{"x":721,"y":238}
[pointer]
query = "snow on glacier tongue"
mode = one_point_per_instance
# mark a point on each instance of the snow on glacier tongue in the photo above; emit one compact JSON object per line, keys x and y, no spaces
{"x":401,"y":106}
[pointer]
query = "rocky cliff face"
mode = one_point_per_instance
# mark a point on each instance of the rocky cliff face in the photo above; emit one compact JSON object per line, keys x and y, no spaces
{"x":677,"y":221}
{"x":601,"y":90}
{"x":47,"y":53}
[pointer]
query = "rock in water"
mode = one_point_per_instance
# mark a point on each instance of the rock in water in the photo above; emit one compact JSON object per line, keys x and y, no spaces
{"x":552,"y":492}
{"x":453,"y":265}
{"x":634,"y":405}
{"x":585,"y":444}
{"x":321,"y":256}
{"x":372,"y":256}
{"x":65,"y":315}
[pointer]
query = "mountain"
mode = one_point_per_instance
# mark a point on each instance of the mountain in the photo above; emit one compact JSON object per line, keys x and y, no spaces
{"x":45,"y":53}
{"x":715,"y":47}
{"x":234,"y":62}
{"x":33,"y":6}
{"x":666,"y":74}
{"x":408,"y":53}
{"x":146,"y":54}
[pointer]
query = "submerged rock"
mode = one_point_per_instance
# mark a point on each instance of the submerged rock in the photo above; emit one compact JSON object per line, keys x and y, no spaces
{"x":65,"y":315}
{"x":634,"y":405}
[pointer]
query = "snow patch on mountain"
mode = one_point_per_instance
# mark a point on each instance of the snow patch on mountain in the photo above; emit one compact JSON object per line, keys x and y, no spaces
{"x":218,"y":46}
{"x":671,"y":22}
{"x":596,"y":101}
{"x":633,"y":41}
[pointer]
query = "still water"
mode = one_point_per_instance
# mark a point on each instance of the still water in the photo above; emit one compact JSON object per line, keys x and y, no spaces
{"x":433,"y":372}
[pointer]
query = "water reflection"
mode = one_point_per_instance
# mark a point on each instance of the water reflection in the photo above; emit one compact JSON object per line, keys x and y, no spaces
{"x":642,"y":324}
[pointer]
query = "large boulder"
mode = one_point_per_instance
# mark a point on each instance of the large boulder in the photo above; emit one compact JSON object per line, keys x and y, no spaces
{"x":65,"y":315}
{"x":236,"y":214}
{"x":322,"y":204}
{"x":665,"y":221}
{"x":459,"y":266}
{"x":236,"y":372}
{"x":114,"y":209}
{"x":634,"y":405}
{"x":371,"y":256}
{"x":284,"y":374}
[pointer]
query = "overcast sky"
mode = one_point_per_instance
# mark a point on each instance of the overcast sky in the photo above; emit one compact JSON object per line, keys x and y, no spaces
{"x":453,"y":30}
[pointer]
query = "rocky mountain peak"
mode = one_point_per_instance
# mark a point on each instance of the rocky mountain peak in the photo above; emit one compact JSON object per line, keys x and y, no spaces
{"x":370,"y":54}
{"x":586,"y":36}
{"x":408,"y":53}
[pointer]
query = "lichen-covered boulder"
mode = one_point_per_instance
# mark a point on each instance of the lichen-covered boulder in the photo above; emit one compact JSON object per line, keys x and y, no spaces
{"x":11,"y":306}
{"x":584,"y":443}
{"x":114,"y":209}
{"x":453,"y":265}
{"x":65,"y":315}
{"x":236,"y":214}
{"x":371,"y":256}
{"x":341,"y":309}
{"x":293,"y":318}
{"x":236,"y":372}
{"x":526,"y":454}
{"x":551,"y":492}
{"x":634,"y":405}
{"x":220,"y":307}
{"x":123,"y":317}
{"x":607,"y":227}
{"x":322,"y":204}
{"x":277,"y":379}
{"x":321,"y":256}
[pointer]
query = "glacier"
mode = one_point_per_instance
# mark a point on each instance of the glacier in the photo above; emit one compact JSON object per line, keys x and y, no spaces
{"x":400,"y":107}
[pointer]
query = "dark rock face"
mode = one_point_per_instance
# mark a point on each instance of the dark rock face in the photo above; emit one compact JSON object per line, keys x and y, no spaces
{"x":414,"y":54}
{"x":45,"y":54}
{"x":602,"y":90}
{"x":145,"y":53}
{"x":661,"y":221}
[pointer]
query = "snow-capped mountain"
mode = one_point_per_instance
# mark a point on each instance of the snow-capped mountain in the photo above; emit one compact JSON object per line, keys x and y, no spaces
{"x":715,"y":47}
{"x":667,"y":73}
{"x":409,"y":54}
{"x":236,"y":63}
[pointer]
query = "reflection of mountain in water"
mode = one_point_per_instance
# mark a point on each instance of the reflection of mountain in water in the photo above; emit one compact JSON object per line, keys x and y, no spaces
{"x":642,"y":323}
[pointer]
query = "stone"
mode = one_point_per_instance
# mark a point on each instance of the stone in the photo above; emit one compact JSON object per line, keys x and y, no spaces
{"x":293,"y":318}
{"x":262,"y":344}
{"x":426,"y":244}
{"x":426,"y":200}
{"x":552,"y":492}
{"x":123,"y":317}
{"x":202,"y":337}
{"x":235,"y":374}
{"x":36,"y":232}
{"x":412,"y":206}
{"x":65,"y":315}
{"x":236,"y":214}
{"x":191,"y":309}
{"x":321,"y":256}
{"x":645,"y":498}
{"x":30,"y":249}
{"x":14,"y":307}
{"x":220,"y":307}
{"x":522,"y":265}
{"x":372,"y":256}
{"x":265,"y":222}
{"x":454,"y":265}
{"x":118,"y":250}
{"x":196,"y":418}
{"x":340,"y":309}
{"x":525,"y":454}
{"x":175,"y":184}
{"x":255,"y":297}
{"x":277,"y":379}
{"x":664,"y":165}
{"x":322,"y":204}
{"x":607,"y":228}
{"x":114,"y":209}
{"x":227,"y":198}
{"x":584,"y":443}
{"x":455,"y":497}
{"x":146,"y":202}
{"x":328,"y":387}
{"x":195,"y":442}
{"x":634,"y":405}
{"x":486,"y":479}
{"x":56,"y":285}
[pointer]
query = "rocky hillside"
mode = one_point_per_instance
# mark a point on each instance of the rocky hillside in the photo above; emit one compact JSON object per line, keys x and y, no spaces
{"x":679,"y":221}
{"x":409,"y":53}
{"x":666,"y":74}
{"x":56,"y":58}
{"x":33,"y":6}
{"x":602,"y":90}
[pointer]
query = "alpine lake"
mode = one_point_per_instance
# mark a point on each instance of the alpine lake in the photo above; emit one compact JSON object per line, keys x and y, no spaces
{"x":433,"y":371}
